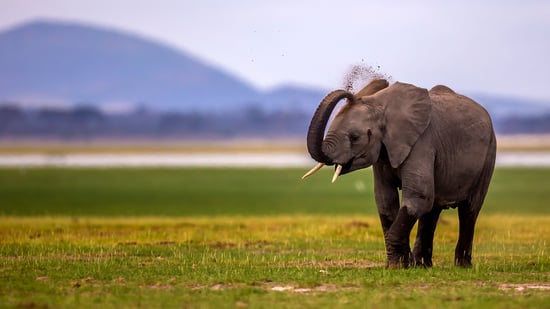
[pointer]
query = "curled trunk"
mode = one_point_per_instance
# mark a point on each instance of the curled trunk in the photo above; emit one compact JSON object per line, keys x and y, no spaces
{"x":316,"y":131}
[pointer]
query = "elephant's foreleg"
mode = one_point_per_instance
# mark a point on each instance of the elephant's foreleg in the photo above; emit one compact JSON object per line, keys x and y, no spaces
{"x":397,"y":240}
{"x":423,"y":246}
{"x":467,"y":220}
{"x":417,"y":202}
{"x":388,"y":206}
{"x":387,"y":198}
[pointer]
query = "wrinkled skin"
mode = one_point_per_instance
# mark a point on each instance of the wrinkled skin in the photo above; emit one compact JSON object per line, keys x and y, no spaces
{"x":437,"y":146}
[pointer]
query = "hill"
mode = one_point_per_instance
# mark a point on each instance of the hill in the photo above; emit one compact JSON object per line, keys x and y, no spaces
{"x":53,"y":75}
{"x":69,"y":63}
{"x":502,"y":106}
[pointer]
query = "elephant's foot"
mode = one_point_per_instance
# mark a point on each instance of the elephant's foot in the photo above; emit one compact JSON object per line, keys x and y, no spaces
{"x":426,"y":263}
{"x":463,"y":258}
{"x":397,"y":240}
{"x":422,"y":259}
{"x":400,"y":258}
{"x":465,"y":262}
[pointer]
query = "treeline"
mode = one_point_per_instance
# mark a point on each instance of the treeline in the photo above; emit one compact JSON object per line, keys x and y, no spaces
{"x":524,"y":125}
{"x":89,"y":122}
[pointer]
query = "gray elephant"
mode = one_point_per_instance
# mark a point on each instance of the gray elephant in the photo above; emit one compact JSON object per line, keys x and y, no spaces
{"x":438,"y":147}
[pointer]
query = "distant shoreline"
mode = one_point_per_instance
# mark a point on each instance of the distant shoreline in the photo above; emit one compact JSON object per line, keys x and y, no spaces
{"x":524,"y":142}
{"x":506,"y":143}
{"x":229,"y":160}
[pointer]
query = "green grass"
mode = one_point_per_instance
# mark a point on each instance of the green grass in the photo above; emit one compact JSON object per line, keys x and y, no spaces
{"x":227,"y":238}
{"x":192,"y":192}
{"x":323,"y":261}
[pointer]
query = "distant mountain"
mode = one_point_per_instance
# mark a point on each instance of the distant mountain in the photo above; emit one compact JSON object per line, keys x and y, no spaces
{"x":501,"y":106}
{"x":71,"y":63}
{"x":539,"y":124}
{"x":47,"y":62}
{"x":290,"y":97}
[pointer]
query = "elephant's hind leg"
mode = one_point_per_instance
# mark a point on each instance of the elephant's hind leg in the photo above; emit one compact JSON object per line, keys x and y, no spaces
{"x":469,"y":209}
{"x":467,"y":216}
{"x":423,"y":246}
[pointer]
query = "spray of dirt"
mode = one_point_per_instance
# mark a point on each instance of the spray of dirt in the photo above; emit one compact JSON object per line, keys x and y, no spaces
{"x":361,"y":74}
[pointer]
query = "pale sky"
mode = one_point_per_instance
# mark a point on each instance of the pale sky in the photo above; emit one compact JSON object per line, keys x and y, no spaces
{"x":495,"y":47}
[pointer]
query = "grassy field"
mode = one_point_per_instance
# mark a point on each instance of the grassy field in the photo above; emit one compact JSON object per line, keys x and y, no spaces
{"x":243,"y":192}
{"x":253,"y":238}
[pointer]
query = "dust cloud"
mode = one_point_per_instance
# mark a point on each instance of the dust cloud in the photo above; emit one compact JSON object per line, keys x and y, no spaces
{"x":361,"y":74}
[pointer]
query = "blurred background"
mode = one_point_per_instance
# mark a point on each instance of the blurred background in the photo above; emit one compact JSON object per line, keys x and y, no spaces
{"x":165,"y":72}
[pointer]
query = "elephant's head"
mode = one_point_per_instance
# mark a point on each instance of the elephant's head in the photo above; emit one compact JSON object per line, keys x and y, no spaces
{"x":393,"y":116}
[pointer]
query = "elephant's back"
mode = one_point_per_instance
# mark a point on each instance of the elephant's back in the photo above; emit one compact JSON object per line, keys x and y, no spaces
{"x":464,"y":139}
{"x":453,"y":108}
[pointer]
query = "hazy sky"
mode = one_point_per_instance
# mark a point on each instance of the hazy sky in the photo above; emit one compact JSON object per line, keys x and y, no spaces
{"x":499,"y":47}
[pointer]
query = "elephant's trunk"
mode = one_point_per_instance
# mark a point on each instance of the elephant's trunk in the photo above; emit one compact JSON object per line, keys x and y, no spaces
{"x":316,"y":131}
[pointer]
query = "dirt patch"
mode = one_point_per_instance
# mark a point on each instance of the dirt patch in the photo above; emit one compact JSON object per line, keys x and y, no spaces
{"x":160,"y":286}
{"x":259,"y":244}
{"x":327,"y":264}
{"x":165,"y":243}
{"x":324,"y":288}
{"x":135,"y":243}
{"x":163,"y":285}
{"x":90,"y":281}
{"x":359,"y":224}
{"x":271,"y":286}
{"x":119,"y":280}
{"x":523,"y":287}
{"x":217,"y":286}
{"x":222,"y":245}
{"x":31,"y":305}
{"x":277,"y":287}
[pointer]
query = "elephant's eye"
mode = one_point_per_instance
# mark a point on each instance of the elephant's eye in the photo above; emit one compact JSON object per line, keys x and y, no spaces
{"x":354,"y":137}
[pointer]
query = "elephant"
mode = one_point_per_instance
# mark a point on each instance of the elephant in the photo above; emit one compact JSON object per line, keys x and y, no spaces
{"x":437,"y":147}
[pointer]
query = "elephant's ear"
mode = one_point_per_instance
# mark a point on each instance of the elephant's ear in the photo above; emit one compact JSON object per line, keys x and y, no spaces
{"x":406,"y":116}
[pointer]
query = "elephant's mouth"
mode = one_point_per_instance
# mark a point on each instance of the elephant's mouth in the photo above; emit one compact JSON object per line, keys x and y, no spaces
{"x":344,"y":168}
{"x":347,"y":167}
{"x":351,"y":165}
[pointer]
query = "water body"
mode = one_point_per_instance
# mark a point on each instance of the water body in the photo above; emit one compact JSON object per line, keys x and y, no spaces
{"x":252,"y":160}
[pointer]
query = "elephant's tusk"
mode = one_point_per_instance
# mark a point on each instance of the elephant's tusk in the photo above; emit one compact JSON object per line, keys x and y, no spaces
{"x":313,"y":170}
{"x":337,"y":172}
